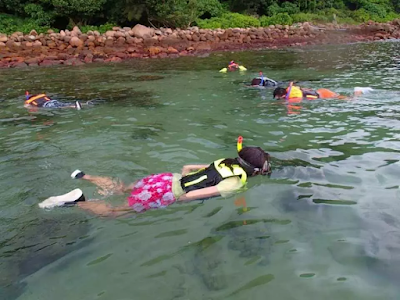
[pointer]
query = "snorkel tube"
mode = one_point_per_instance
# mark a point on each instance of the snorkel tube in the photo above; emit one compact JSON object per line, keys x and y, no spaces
{"x":262,"y":79}
{"x":239,"y":144}
{"x":289,"y":90}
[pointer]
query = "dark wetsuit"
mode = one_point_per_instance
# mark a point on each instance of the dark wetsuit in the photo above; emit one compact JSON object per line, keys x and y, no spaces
{"x":267,"y":82}
{"x":43,"y":100}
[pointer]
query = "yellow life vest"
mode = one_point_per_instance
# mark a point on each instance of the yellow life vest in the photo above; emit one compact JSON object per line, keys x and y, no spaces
{"x":212,"y":175}
{"x":294,"y":92}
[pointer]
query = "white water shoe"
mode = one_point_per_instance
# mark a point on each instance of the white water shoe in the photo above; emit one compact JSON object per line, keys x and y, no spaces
{"x":63,"y":200}
{"x":77,"y":174}
{"x":363,"y":90}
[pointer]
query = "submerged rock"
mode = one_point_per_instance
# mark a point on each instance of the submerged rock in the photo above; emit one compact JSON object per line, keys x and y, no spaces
{"x":36,"y":244}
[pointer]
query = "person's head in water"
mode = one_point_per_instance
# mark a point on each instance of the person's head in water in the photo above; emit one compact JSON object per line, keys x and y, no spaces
{"x":280,"y":93}
{"x":233,"y":66}
{"x":254,"y":160}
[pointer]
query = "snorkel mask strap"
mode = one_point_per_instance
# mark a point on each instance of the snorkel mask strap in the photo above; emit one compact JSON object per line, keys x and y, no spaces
{"x":289,"y":90}
{"x":266,"y":169}
{"x":262,"y":79}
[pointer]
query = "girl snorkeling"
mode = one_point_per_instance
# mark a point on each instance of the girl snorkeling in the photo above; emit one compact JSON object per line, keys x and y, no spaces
{"x":220,"y":178}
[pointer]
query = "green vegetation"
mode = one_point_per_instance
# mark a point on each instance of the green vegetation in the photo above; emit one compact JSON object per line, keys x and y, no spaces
{"x":102,"y":15}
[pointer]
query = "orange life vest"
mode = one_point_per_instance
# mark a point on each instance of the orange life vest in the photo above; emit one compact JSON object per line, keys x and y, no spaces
{"x":37,"y":100}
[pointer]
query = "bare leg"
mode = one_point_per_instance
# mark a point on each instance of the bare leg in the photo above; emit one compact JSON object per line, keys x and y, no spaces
{"x":103,"y":209}
{"x":108,"y":185}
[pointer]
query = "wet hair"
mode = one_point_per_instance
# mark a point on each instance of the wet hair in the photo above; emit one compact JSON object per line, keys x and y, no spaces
{"x":256,"y":81}
{"x":279,"y":91}
{"x":252,"y":155}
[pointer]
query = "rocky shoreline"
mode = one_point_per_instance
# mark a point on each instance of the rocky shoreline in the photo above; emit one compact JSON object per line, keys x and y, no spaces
{"x":76,"y":48}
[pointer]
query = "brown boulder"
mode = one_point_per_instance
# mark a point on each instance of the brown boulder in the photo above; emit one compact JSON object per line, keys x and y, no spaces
{"x":172,"y":50}
{"x":113,"y":59}
{"x":19,"y":65}
{"x":109,"y":33}
{"x":76,"y":42}
{"x":154,"y":50}
{"x":195,"y":38}
{"x":46,"y":62}
{"x":62,"y":56}
{"x":131,"y":49}
{"x":109,"y":42}
{"x":32,"y":60}
{"x":77,"y":30}
{"x":88,"y":58}
{"x":141,"y":31}
{"x":203,"y":47}
{"x":119,"y":34}
{"x":3,"y":38}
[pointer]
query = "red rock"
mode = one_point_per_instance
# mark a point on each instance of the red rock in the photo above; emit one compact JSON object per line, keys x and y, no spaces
{"x":19,"y":65}
{"x":50,"y":62}
{"x":154,"y":50}
{"x":98,"y":60}
{"x":78,"y":63}
{"x":203,"y":47}
{"x":172,"y":50}
{"x":113,"y":59}
{"x":88,"y":58}
{"x":62,"y":56}
{"x":136,"y":55}
{"x":3,"y":38}
{"x":76,"y":42}
{"x":32,"y":60}
{"x":141,"y":31}
{"x":70,"y":61}
{"x":109,"y":43}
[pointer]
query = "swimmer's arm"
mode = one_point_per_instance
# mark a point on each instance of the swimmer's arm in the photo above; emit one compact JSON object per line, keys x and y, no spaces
{"x":189,"y":168}
{"x":204,"y":193}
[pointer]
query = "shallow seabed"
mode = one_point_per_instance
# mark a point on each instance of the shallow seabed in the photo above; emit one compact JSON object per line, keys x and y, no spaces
{"x":323,"y":226}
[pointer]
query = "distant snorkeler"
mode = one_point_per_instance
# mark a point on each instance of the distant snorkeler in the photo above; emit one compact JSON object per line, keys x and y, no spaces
{"x":293,"y":92}
{"x":44,"y":101}
{"x":233,"y":66}
{"x":263,"y":81}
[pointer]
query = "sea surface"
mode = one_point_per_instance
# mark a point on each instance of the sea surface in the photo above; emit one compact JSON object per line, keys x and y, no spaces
{"x":324,"y":225}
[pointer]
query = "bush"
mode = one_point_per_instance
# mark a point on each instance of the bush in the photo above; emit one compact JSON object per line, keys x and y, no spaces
{"x":361,"y":15}
{"x":375,"y":10}
{"x":281,"y":19}
{"x":10,"y":24}
{"x":102,"y":28}
{"x":287,"y":7}
{"x":229,"y":20}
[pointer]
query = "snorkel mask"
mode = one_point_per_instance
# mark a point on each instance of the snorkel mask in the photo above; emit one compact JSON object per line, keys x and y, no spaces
{"x":266,"y":169}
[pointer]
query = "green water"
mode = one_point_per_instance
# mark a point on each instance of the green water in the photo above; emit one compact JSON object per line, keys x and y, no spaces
{"x":323,"y":226}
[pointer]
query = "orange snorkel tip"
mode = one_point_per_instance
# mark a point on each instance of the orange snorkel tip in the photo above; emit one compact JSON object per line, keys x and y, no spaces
{"x":239,"y":143}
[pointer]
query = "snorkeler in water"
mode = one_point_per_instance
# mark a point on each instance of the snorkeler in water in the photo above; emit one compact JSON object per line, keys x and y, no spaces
{"x":220,"y":178}
{"x":296,"y":93}
{"x":263,"y":81}
{"x":42,"y":100}
{"x":233,"y":66}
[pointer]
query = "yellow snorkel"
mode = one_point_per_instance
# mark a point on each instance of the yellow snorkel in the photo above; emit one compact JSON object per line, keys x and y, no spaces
{"x":239,"y":144}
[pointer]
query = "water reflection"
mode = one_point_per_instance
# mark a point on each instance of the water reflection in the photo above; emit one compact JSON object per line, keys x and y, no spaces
{"x":324,"y":223}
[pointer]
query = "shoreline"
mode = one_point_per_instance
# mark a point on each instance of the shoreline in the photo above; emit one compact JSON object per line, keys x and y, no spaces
{"x":76,"y":48}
